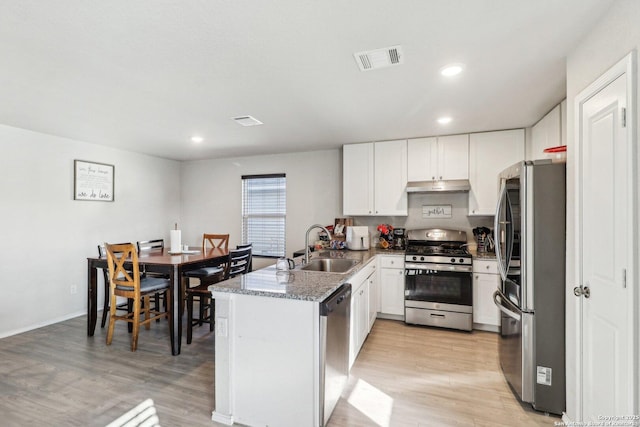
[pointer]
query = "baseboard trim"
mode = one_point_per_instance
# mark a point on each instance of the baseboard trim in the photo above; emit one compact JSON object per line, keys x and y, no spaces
{"x":42,"y":324}
{"x":485,"y":327}
{"x":222,"y":418}
{"x":566,"y":420}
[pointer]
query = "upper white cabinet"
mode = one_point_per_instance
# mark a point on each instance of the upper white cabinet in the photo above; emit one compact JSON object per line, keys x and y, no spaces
{"x":375,"y":178}
{"x":441,"y":158}
{"x":550,"y":131}
{"x":489,"y":154}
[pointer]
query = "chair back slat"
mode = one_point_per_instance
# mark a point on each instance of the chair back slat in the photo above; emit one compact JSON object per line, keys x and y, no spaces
{"x":248,"y":245}
{"x":150,"y":245}
{"x":239,"y":262}
{"x":216,"y":241}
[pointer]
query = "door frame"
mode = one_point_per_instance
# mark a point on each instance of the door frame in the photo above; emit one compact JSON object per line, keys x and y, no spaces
{"x":626,"y":66}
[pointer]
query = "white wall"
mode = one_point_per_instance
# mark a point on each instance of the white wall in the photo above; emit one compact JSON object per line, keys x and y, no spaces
{"x":47,"y":236}
{"x":614,"y":36}
{"x":212,"y":194}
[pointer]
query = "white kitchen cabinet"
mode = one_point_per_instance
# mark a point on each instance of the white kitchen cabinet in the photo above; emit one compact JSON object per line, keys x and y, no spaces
{"x":359,"y":320}
{"x":546,"y":133}
{"x":374,"y":298}
{"x":486,"y":280}
{"x":375,"y":178}
{"x":391,"y":284}
{"x":489,"y":154}
{"x":441,"y":158}
{"x":563,"y":122}
{"x":357,"y":179}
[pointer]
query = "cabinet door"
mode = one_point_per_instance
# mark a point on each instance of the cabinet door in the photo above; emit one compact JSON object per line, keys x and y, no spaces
{"x":353,"y":328}
{"x":374,"y":306}
{"x":390,"y":178}
{"x":546,"y":133}
{"x":392,"y":291}
{"x":484,"y":309}
{"x":453,"y":157}
{"x":357,"y":179}
{"x":422,"y":159}
{"x":489,"y":154}
{"x":363,"y":314}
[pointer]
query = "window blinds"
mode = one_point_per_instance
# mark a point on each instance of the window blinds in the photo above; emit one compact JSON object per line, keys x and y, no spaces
{"x":263,"y":213}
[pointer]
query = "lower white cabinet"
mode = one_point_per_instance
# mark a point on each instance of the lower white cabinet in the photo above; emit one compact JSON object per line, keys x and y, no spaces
{"x":360,"y":314}
{"x":486,"y":280}
{"x":374,"y":298}
{"x":391,"y":284}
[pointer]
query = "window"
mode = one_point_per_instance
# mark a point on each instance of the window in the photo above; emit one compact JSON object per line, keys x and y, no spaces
{"x":264,"y":211}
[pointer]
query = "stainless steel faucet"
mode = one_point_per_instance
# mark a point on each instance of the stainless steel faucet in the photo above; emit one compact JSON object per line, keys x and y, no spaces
{"x":306,"y":240}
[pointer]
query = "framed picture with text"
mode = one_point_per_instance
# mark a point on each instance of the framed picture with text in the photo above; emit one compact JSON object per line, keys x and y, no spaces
{"x":92,"y":181}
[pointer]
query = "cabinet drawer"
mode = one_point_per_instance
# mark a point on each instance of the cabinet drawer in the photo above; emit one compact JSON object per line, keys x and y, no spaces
{"x":485,"y":266}
{"x":391,"y":262}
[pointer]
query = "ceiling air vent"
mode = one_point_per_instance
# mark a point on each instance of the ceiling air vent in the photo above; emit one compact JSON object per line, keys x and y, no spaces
{"x":247,"y":121}
{"x":379,"y":58}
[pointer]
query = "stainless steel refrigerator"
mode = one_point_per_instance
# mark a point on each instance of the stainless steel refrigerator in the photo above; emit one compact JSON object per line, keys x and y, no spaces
{"x":530,"y":246}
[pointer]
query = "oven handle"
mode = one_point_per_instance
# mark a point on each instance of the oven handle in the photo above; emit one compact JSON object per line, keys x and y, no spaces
{"x":439,"y":267}
{"x":500,"y":301}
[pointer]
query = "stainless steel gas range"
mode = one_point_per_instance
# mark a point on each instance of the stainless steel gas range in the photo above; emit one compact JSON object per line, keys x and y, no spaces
{"x":438,"y":279}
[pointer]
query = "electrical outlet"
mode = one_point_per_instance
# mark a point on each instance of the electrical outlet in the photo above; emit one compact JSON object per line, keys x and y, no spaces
{"x":74,"y":289}
{"x":221,"y":327}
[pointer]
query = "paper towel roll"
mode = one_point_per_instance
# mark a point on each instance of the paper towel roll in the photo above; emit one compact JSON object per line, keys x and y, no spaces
{"x":176,"y":240}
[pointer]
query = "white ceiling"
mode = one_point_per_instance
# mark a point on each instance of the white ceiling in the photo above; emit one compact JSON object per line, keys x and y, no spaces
{"x":146,"y":75}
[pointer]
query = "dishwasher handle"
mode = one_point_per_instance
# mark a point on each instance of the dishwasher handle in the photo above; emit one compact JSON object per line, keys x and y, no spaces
{"x":340,"y":296}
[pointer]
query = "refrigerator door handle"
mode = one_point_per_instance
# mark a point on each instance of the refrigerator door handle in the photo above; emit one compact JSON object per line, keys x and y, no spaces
{"x":498,"y":226}
{"x":511,"y":310}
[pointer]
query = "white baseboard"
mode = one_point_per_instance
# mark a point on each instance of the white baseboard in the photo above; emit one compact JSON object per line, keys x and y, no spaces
{"x":485,"y":327}
{"x":566,"y":420}
{"x":5,"y":334}
{"x":222,"y":418}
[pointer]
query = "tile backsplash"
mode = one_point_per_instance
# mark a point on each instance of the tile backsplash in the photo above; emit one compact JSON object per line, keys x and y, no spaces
{"x":459,"y":219}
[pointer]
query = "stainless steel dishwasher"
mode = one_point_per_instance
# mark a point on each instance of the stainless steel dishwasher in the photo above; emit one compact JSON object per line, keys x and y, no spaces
{"x":335,"y":312}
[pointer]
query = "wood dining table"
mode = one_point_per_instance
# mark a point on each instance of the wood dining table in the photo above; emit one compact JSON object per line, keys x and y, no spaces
{"x":174,"y":266}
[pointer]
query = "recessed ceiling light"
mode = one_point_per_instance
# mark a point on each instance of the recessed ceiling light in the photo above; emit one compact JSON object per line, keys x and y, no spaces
{"x":197,"y":139}
{"x":444,"y":120}
{"x":451,"y":70}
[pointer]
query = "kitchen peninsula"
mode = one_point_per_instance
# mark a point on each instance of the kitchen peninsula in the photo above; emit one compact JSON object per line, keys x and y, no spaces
{"x":268,"y":342}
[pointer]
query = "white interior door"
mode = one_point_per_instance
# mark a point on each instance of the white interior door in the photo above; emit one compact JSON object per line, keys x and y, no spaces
{"x":606,"y":209}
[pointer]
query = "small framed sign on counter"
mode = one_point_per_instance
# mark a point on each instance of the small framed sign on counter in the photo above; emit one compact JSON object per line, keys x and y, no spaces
{"x":436,"y":211}
{"x":92,"y":181}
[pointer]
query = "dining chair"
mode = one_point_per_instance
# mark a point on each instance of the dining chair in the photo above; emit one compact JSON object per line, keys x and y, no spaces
{"x":102,"y":252}
{"x":247,"y":245}
{"x":134,"y":286}
{"x":153,"y":246}
{"x":209,"y":275}
{"x":239,"y":263}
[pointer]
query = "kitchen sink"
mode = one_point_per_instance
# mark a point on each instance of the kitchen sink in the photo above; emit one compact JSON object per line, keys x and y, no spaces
{"x":330,"y":265}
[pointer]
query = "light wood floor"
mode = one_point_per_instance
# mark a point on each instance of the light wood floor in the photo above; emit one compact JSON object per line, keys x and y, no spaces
{"x":404,"y":376}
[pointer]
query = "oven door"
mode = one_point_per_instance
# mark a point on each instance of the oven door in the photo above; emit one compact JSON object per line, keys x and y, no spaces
{"x":439,"y":285}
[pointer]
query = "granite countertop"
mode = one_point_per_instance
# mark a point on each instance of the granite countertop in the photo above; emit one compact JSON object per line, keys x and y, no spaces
{"x":299,"y":284}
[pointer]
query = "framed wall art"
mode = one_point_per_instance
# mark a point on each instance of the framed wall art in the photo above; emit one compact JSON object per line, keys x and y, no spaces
{"x":92,"y":181}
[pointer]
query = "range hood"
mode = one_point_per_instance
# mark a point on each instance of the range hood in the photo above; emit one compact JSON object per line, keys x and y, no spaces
{"x":447,"y":186}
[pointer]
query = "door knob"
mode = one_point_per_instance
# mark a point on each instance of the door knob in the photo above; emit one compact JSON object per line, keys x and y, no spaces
{"x":580,"y":290}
